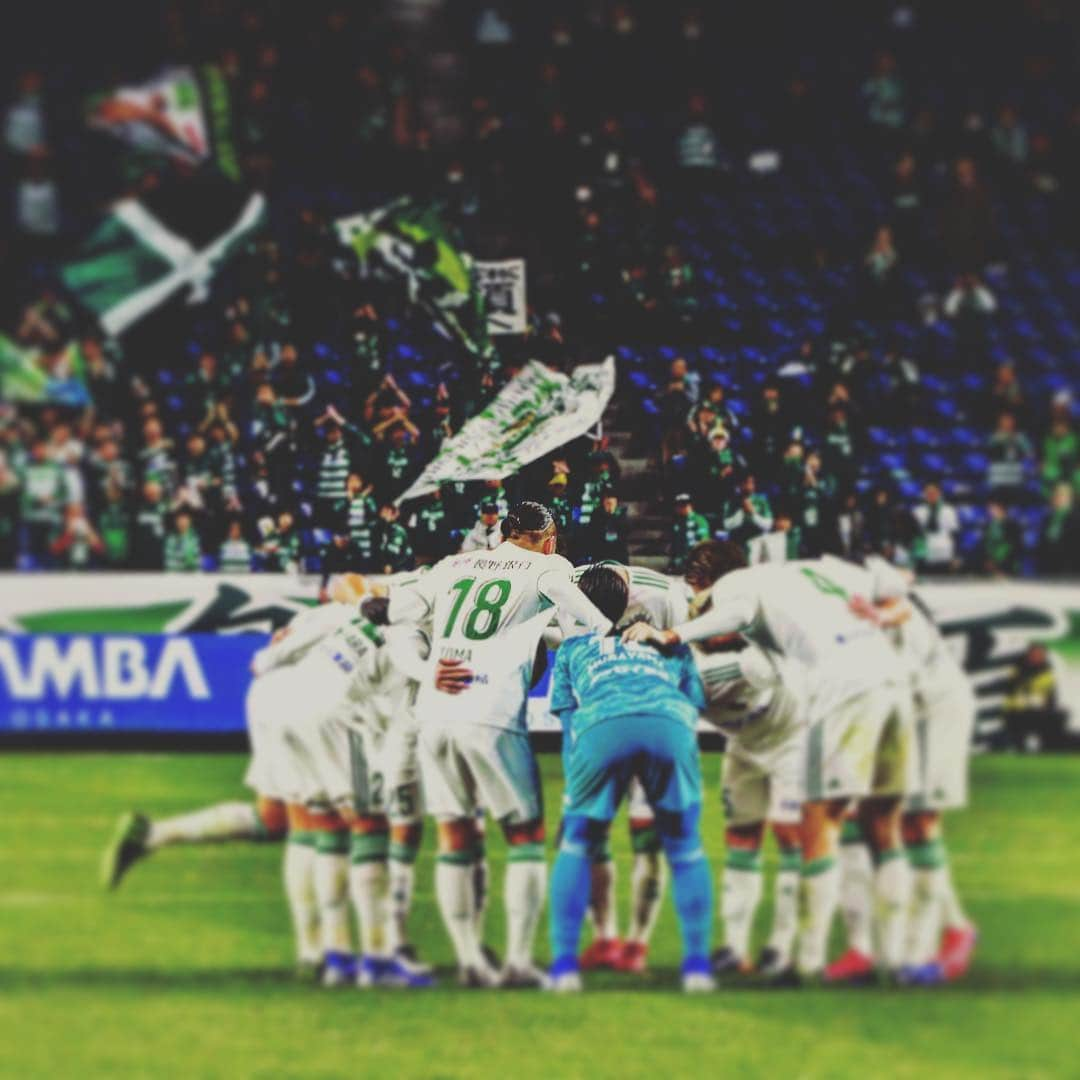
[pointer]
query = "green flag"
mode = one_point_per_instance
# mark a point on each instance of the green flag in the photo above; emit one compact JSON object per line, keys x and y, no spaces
{"x":40,"y":376}
{"x":133,"y":262}
{"x":183,"y":114}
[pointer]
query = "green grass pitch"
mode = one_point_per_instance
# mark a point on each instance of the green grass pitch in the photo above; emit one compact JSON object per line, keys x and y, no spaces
{"x":186,"y":970}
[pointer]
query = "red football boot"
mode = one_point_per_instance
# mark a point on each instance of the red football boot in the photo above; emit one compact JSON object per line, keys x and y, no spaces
{"x":957,"y":949}
{"x":852,"y":967}
{"x":602,"y":953}
{"x":634,"y":958}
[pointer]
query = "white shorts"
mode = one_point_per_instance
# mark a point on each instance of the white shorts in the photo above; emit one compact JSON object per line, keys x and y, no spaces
{"x":385,"y":773}
{"x":272,"y":770}
{"x":764,"y":785}
{"x":943,"y":731}
{"x":863,"y":747}
{"x":467,"y":766}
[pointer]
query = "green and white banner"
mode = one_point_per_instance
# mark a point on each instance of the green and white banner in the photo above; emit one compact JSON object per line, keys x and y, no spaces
{"x":34,"y":376}
{"x":133,"y":262}
{"x":182,"y":114}
{"x":537,"y":411}
{"x":407,"y":242}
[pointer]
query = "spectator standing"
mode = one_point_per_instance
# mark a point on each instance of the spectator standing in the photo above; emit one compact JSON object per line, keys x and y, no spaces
{"x":335,"y":464}
{"x":429,"y":528}
{"x":485,"y":535}
{"x":1059,"y":544}
{"x":393,"y":552}
{"x":1002,"y":541}
{"x":688,"y":529}
{"x":235,"y":556}
{"x":607,"y":537}
{"x":148,"y":547}
{"x":968,"y":230}
{"x":279,"y":549}
{"x":748,"y":515}
{"x":78,"y":542}
{"x":44,"y":493}
{"x":884,"y":96}
{"x":938,"y":525}
{"x":183,"y":552}
{"x":114,"y":527}
{"x":1010,"y":452}
{"x":813,"y":493}
{"x":1060,"y":451}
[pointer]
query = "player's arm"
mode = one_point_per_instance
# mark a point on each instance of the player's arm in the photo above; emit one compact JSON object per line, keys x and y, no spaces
{"x":571,"y":602}
{"x":731,"y":616}
{"x":563,"y":700}
{"x":413,"y":603}
{"x":305,"y":630}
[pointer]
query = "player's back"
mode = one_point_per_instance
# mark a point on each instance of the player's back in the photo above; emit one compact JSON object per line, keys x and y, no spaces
{"x":658,"y":599}
{"x":488,"y":610}
{"x":603,"y":677}
{"x":801,"y":610}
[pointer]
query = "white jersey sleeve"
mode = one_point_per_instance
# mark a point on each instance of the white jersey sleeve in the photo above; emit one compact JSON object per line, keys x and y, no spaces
{"x":306,"y":630}
{"x":732,"y":611}
{"x":574,"y":607}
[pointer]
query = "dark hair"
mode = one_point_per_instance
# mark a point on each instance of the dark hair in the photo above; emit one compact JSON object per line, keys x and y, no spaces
{"x":711,"y":560}
{"x":376,"y":609}
{"x":607,"y":589}
{"x":529,"y":519}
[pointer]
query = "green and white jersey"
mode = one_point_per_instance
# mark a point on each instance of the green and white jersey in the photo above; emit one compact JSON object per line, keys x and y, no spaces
{"x":304,"y":631}
{"x":755,"y":696}
{"x":489,"y":609}
{"x":801,"y":610}
{"x":935,"y":671}
{"x":658,"y":599}
{"x":382,"y":665}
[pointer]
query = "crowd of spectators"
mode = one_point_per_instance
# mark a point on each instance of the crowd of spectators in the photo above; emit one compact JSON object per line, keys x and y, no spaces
{"x":275,"y":425}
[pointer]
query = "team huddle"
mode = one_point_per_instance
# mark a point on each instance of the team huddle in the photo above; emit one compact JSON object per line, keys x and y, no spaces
{"x":847,"y":724}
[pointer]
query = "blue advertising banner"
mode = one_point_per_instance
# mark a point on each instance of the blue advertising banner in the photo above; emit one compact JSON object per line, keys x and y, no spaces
{"x":178,"y":683}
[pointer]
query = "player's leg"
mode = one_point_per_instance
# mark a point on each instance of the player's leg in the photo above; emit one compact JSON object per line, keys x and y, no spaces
{"x":508,"y":783}
{"x":744,"y":790}
{"x":776,"y":957}
{"x":840,"y":758}
{"x":648,"y":878}
{"x":672,"y":780}
{"x":450,"y":794}
{"x":856,"y":905}
{"x":881,"y":817}
{"x":331,"y":881}
{"x":298,"y":878}
{"x":605,"y":951}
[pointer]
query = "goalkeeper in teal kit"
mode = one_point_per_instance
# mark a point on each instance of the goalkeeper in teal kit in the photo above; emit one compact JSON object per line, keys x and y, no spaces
{"x":627,"y":710}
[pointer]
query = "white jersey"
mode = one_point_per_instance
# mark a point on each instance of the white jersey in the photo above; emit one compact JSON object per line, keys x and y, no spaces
{"x":801,"y":610}
{"x":934,"y":670}
{"x":755,"y":696}
{"x":660,"y":600}
{"x":489,"y":609}
{"x":482,"y":537}
{"x":305,"y":630}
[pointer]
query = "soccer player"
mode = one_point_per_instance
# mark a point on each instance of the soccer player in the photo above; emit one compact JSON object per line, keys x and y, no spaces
{"x":859,"y":728}
{"x":358,"y":681}
{"x":628,"y":711}
{"x":758,"y":699}
{"x":488,"y":611}
{"x":271,"y":816}
{"x":661,"y":601}
{"x":941,"y":939}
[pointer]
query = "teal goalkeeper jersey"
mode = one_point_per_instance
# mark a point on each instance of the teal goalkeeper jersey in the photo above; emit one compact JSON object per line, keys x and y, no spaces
{"x":600,"y":678}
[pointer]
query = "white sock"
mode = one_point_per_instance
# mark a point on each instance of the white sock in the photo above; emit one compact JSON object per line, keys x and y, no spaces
{"x":480,"y":895}
{"x":785,"y":920}
{"x":892,"y":892}
{"x":455,"y":890}
{"x":857,"y":896}
{"x":526,"y":886}
{"x":953,"y":912}
{"x":297,"y":870}
{"x":223,"y":821}
{"x":402,"y":882}
{"x":647,"y":880}
{"x":369,"y":888}
{"x":740,"y":892}
{"x":818,"y":896}
{"x":928,"y":885}
{"x":332,"y":893}
{"x":602,"y":901}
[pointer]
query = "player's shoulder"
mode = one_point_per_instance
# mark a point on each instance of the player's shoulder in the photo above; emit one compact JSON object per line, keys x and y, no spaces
{"x":641,"y":577}
{"x":559,"y":564}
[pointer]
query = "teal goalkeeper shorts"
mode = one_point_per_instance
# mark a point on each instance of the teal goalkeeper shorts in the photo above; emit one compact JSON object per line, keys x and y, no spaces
{"x":601,"y":762}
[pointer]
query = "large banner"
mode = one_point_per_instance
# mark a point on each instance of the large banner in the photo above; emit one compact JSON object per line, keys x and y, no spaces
{"x":539,"y":410}
{"x":170,"y":652}
{"x":182,"y":114}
